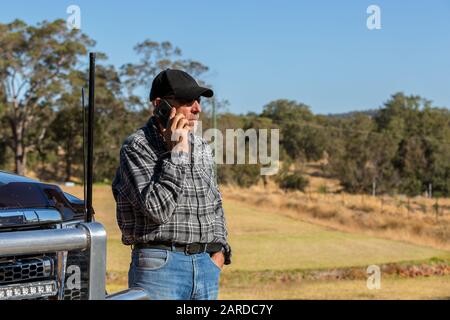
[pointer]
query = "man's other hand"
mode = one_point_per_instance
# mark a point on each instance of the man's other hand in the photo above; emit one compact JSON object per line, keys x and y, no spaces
{"x":218,"y":258}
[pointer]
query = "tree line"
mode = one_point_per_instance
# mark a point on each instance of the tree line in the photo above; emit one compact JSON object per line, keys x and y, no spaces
{"x":42,"y":71}
{"x":401,"y":147}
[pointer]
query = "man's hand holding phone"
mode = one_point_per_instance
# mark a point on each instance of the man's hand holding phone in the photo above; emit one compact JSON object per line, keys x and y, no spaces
{"x":176,"y":133}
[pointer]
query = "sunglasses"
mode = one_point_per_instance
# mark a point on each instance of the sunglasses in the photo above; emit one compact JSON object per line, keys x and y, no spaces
{"x":180,"y":102}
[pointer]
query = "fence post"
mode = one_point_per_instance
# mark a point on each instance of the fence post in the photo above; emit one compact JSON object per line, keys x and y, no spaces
{"x":436,"y":208}
{"x":374,"y":188}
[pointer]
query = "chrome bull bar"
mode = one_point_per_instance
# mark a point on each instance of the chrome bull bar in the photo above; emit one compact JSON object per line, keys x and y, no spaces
{"x":90,"y":236}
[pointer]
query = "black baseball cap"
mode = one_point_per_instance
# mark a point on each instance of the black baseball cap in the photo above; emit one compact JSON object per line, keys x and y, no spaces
{"x":179,"y":84}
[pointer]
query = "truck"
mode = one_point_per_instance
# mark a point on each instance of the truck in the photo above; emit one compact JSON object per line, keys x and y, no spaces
{"x":50,"y":246}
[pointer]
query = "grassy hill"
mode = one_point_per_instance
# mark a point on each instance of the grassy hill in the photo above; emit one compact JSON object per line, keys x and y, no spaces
{"x":272,"y":251}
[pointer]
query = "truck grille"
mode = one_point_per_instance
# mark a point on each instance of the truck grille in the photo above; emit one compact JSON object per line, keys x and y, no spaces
{"x":26,"y":269}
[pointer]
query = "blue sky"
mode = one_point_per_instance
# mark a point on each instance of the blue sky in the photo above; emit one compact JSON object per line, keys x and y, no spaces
{"x":316,"y":52}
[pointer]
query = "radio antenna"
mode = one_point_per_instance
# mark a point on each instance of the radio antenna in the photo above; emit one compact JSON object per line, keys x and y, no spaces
{"x":90,"y":143}
{"x":83,"y":105}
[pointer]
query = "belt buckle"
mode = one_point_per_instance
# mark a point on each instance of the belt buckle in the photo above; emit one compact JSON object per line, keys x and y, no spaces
{"x":192,"y":248}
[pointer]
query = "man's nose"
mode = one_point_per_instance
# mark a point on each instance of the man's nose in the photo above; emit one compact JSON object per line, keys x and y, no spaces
{"x":196,"y":107}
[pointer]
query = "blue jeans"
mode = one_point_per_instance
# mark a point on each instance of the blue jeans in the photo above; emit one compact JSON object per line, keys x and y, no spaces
{"x":171,"y":275}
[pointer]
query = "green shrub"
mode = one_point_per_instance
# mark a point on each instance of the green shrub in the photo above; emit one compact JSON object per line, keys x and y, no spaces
{"x":323,"y":189}
{"x":243,"y":175}
{"x":293,"y":181}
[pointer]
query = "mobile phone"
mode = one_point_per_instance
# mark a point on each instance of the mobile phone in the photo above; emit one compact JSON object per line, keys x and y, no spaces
{"x":162,"y":112}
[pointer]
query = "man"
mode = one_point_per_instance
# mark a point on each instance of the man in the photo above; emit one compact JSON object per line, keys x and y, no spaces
{"x":169,"y":207}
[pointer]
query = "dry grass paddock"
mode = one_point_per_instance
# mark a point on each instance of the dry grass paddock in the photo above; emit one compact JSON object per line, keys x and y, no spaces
{"x":277,"y":236}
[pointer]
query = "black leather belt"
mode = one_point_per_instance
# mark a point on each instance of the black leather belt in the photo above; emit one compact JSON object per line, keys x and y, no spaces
{"x":191,"y":248}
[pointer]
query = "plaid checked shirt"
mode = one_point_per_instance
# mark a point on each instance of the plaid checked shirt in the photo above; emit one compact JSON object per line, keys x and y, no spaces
{"x":160,"y":197}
